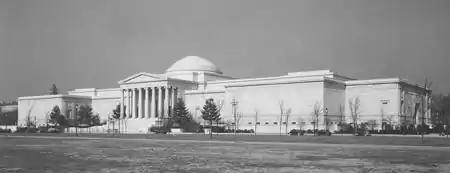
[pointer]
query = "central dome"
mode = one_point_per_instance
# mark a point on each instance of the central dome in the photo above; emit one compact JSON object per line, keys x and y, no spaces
{"x":194,"y":63}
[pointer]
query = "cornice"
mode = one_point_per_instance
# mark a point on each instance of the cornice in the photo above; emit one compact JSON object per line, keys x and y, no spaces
{"x":52,"y":97}
{"x":287,"y":80}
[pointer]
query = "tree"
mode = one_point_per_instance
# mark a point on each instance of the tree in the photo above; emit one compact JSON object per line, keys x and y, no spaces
{"x":56,"y":118}
{"x":54,"y":90}
{"x":301,"y":122}
{"x":256,"y":119}
{"x":84,"y":118}
{"x":287,"y":115}
{"x":315,"y":116}
{"x":383,"y":121}
{"x":424,"y":128}
{"x":281,"y":104}
{"x":220,"y":105}
{"x":372,"y":124}
{"x":180,"y":114}
{"x":116,"y":115}
{"x":354,"y":105}
{"x":28,"y":119}
{"x":210,"y":113}
{"x":341,"y":118}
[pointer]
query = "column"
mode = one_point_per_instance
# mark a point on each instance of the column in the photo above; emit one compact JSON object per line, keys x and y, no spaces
{"x":140,"y":105}
{"x":134,"y":103}
{"x":152,"y":107}
{"x":166,"y":101}
{"x":130,"y":107}
{"x":121,"y":103}
{"x":159,"y":114}
{"x":146,"y":102}
{"x":173,"y":96}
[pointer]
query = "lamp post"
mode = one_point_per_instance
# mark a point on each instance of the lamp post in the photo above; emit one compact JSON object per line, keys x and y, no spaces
{"x":326,"y":119}
{"x":6,"y":121}
{"x":234,"y":104}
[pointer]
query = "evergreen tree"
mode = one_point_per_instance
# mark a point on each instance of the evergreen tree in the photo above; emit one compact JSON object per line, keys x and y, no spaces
{"x":56,"y":117}
{"x":84,"y":115}
{"x":210,"y":113}
{"x":54,"y":90}
{"x":181,"y":114}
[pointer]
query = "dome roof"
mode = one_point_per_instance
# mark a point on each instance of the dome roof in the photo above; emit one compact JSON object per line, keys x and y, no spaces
{"x":194,"y":63}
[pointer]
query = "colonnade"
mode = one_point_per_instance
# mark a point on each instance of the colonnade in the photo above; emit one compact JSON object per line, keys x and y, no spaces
{"x":147,"y":102}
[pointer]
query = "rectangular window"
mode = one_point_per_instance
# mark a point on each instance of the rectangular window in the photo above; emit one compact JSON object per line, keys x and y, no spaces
{"x":275,"y":123}
{"x":266,"y":122}
{"x":258,"y":123}
{"x":293,"y":122}
{"x":249,"y":122}
{"x":284,"y":122}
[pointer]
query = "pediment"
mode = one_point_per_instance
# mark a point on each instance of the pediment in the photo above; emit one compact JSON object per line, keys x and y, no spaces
{"x":142,"y":77}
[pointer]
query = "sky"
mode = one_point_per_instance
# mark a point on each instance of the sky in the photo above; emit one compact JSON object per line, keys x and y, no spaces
{"x":94,"y":44}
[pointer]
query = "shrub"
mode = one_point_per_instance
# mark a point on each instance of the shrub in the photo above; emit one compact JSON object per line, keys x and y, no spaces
{"x":296,"y":132}
{"x":5,"y":130}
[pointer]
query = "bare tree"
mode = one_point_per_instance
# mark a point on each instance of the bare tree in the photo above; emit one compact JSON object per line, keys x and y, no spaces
{"x":287,"y":115}
{"x":426,"y":91}
{"x":239,"y":117}
{"x":341,"y":118}
{"x":354,"y":105}
{"x":315,"y":116}
{"x":383,"y":121}
{"x":220,"y":105}
{"x":301,"y":121}
{"x":256,"y":119}
{"x":28,"y":119}
{"x":281,"y":104}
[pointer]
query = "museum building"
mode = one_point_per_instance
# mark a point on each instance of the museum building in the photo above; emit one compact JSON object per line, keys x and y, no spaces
{"x":147,"y":97}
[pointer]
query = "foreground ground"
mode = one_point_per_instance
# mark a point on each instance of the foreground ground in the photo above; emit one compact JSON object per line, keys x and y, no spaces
{"x":64,"y":154}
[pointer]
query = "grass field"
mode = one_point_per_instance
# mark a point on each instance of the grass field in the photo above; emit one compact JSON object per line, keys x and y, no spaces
{"x":200,"y":155}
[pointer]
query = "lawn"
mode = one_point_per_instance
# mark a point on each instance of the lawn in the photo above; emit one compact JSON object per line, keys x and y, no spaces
{"x":411,"y":140}
{"x":127,"y":154}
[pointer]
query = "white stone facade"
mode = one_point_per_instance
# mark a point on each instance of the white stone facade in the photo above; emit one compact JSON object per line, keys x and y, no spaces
{"x":147,"y":96}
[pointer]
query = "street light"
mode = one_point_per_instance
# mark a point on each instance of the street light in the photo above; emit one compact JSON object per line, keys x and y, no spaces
{"x":6,"y":121}
{"x":326,"y":119}
{"x":233,"y":104}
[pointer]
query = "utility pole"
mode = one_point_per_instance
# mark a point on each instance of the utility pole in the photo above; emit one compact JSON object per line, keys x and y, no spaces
{"x":234,"y":104}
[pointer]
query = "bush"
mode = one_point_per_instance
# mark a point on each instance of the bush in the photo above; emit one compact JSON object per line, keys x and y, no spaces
{"x":158,"y":130}
{"x":296,"y":132}
{"x":5,"y":130}
{"x":323,"y":133}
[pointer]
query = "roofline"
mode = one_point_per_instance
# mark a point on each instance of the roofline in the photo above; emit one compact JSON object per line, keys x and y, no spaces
{"x":52,"y":96}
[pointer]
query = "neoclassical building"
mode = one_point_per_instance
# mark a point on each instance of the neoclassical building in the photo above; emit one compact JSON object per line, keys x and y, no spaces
{"x":146,"y":97}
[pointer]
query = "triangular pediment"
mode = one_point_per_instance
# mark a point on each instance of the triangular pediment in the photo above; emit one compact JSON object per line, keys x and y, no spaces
{"x":142,"y":77}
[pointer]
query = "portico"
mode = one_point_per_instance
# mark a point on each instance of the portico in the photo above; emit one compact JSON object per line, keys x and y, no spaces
{"x":146,"y":95}
{"x":147,"y":102}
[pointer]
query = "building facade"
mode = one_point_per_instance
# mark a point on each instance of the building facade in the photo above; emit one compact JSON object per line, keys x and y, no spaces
{"x":146,"y":97}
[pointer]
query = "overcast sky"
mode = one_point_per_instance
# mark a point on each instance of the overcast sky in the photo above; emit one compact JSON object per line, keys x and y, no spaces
{"x":94,"y":44}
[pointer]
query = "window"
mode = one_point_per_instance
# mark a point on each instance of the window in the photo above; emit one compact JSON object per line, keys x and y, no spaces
{"x":266,"y":122}
{"x":384,"y":102}
{"x":249,"y":122}
{"x":232,"y":123}
{"x":284,"y":122}
{"x":258,"y":123}
{"x":275,"y":123}
{"x":293,"y":122}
